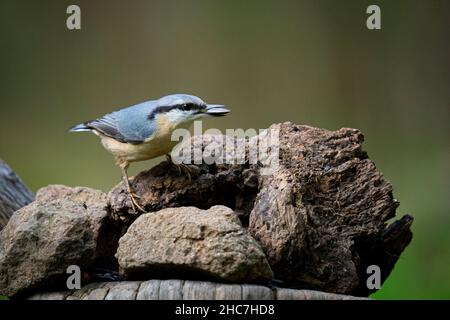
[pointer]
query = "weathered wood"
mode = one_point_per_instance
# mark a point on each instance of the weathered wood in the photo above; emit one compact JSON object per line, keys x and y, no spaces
{"x":199,"y":290}
{"x":254,"y":292}
{"x":292,"y":294}
{"x":185,"y":290}
{"x":149,"y":290}
{"x":126,"y":290}
{"x":97,"y":293}
{"x":60,"y":295}
{"x":171,"y":290}
{"x":228,"y":292}
{"x":13,"y":193}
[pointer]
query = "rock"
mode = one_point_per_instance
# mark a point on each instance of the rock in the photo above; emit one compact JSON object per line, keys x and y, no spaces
{"x":191,"y":243}
{"x":184,"y":290}
{"x":321,"y":216}
{"x":63,"y":226}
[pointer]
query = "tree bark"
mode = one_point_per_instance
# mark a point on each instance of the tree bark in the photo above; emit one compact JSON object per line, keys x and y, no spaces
{"x":13,"y":193}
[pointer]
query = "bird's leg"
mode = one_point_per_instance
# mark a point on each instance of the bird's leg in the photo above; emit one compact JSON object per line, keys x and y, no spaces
{"x":169,"y":160}
{"x":181,"y":167}
{"x":133,"y":196}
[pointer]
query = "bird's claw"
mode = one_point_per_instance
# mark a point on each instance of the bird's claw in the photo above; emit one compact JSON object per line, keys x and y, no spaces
{"x":134,"y":203}
{"x":186,"y":169}
{"x":180,"y":167}
{"x":134,"y":195}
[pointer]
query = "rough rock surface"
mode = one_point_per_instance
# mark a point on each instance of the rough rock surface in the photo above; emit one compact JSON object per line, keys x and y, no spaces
{"x":63,"y":226}
{"x":188,"y":242}
{"x":321,"y":216}
{"x":175,"y":289}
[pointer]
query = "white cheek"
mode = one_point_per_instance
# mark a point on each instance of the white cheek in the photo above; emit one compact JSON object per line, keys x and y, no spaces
{"x":176,"y":116}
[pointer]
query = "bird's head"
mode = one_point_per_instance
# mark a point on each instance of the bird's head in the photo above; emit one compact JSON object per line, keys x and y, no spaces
{"x":184,"y":108}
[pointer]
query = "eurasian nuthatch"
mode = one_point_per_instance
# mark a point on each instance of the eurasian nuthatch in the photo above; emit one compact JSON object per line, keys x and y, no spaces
{"x":143,"y":131}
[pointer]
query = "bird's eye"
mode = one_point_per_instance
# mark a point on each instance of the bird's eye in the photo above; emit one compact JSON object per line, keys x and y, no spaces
{"x":186,"y":107}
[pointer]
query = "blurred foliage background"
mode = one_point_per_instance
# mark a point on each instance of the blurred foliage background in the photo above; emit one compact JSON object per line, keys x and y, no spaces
{"x":309,"y":62}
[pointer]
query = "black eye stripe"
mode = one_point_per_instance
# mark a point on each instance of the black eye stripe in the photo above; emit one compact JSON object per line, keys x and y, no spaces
{"x":183,"y":107}
{"x":186,"y":107}
{"x":189,"y":106}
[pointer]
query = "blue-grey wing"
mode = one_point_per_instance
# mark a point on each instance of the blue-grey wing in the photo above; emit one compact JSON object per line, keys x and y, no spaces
{"x":107,"y":126}
{"x":130,"y":125}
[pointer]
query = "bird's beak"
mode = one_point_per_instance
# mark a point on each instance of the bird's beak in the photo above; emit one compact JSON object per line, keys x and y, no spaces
{"x":216,"y":110}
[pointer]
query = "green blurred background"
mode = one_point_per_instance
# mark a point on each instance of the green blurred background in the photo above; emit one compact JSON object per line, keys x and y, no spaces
{"x":309,"y":62}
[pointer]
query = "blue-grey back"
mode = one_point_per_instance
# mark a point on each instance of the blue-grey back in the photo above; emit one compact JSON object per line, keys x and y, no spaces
{"x":133,"y":122}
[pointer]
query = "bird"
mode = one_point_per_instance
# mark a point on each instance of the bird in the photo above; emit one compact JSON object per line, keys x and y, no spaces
{"x":143,"y":131}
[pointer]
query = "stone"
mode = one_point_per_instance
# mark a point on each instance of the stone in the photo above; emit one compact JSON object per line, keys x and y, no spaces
{"x":190,"y":243}
{"x":62,"y":227}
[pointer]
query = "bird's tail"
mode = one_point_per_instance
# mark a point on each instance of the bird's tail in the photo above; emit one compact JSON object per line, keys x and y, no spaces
{"x":79,"y":128}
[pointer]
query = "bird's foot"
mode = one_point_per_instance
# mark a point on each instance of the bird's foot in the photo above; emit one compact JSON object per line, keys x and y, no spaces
{"x":182,"y":168}
{"x":187,"y":171}
{"x":134,"y":202}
